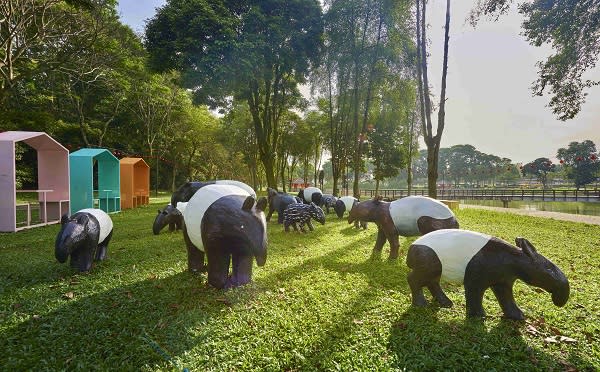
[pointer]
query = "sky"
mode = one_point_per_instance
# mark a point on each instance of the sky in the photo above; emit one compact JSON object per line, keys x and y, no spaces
{"x":490,"y":71}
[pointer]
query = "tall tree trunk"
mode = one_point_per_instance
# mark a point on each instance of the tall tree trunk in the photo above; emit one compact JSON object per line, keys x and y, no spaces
{"x":432,"y":141}
{"x":409,"y":173}
{"x":173,"y":176}
{"x":363,"y":130}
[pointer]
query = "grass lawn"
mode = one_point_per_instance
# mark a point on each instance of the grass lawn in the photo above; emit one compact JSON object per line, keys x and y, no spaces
{"x":322,"y":302}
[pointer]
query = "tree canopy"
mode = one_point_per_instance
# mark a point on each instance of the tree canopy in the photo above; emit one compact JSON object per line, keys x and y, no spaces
{"x":572,"y":28}
{"x":255,"y":51}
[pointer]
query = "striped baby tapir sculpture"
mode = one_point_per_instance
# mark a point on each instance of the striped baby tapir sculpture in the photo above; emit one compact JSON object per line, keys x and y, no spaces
{"x":298,"y":215}
{"x":278,"y":201}
{"x":480,"y":262}
{"x":345,"y":204}
{"x":328,"y":201}
{"x":84,"y":236}
{"x":225,"y":223}
{"x":311,"y":195}
{"x":171,"y":215}
{"x":409,"y":216}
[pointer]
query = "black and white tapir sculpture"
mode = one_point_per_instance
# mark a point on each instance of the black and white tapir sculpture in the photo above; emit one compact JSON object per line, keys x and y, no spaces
{"x":345,"y":203}
{"x":409,"y":216}
{"x":224,"y":222}
{"x":480,"y":262}
{"x":84,"y":236}
{"x":311,"y":195}
{"x":278,"y":201}
{"x":171,"y":215}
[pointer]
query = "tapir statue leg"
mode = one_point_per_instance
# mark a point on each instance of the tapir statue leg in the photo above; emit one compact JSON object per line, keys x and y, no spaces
{"x":241,"y":270}
{"x":218,"y":268}
{"x":195,"y":256}
{"x":102,"y":247}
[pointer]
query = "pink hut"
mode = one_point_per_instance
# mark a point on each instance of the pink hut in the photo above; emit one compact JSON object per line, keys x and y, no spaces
{"x":52,"y":199}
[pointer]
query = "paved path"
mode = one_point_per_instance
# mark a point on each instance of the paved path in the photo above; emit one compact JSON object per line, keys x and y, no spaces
{"x":593,"y":220}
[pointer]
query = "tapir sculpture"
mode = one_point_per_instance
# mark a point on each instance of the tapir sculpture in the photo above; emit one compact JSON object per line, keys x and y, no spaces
{"x":346,"y":203}
{"x":311,"y":195}
{"x":171,"y":215}
{"x":223,"y":222}
{"x":278,"y":201}
{"x":328,"y":201}
{"x":409,"y":216}
{"x":480,"y":262}
{"x":84,"y":236}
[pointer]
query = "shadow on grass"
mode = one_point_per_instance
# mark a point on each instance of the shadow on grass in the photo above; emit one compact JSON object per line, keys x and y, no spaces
{"x":125,"y":323}
{"x":381,"y":273}
{"x":419,"y":341}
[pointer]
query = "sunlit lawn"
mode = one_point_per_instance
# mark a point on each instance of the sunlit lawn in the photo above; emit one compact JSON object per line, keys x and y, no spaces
{"x":320,"y":303}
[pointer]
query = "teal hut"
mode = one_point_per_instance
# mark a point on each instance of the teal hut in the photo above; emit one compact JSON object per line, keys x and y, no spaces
{"x":81,"y":170}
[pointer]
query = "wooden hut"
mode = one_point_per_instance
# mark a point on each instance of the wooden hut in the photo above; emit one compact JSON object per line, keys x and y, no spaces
{"x":83,"y":195}
{"x":52,"y":190}
{"x":135,"y":182}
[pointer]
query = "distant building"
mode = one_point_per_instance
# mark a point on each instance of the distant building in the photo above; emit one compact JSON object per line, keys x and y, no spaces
{"x":298,"y":183}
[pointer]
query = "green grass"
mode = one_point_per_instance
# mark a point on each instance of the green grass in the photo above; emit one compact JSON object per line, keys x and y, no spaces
{"x":322,"y":302}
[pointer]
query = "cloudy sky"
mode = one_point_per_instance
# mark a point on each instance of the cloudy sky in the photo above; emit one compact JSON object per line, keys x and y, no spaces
{"x":490,"y":72}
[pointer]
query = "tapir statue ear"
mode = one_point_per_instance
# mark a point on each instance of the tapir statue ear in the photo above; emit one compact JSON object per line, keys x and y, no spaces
{"x":64,"y":219}
{"x":248,"y":204}
{"x":261,"y":204}
{"x":526,"y":246}
{"x":378,"y":198}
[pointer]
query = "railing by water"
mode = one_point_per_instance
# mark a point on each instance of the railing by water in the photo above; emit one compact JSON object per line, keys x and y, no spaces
{"x":493,"y":194}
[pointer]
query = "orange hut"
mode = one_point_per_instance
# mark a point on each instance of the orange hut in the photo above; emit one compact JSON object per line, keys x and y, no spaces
{"x":135,"y":183}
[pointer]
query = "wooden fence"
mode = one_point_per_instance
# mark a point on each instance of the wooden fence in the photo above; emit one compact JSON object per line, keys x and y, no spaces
{"x":494,"y":194}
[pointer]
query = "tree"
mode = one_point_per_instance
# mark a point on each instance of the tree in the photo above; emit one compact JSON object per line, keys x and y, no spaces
{"x":581,"y":162}
{"x":386,"y":149}
{"x":431,"y":140}
{"x":257,"y":51}
{"x":91,"y":89}
{"x":572,"y":28}
{"x":539,"y":168}
{"x":38,"y":36}
{"x":238,"y":136}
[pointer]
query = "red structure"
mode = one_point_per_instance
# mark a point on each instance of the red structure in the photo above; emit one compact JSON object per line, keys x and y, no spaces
{"x":298,"y":184}
{"x":53,"y":196}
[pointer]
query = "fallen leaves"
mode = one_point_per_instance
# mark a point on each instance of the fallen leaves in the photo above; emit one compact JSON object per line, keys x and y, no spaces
{"x":550,"y":334}
{"x":69,"y":295}
{"x":559,"y":339}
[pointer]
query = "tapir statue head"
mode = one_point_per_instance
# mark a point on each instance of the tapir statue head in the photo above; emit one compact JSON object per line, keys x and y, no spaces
{"x":544,"y":274}
{"x":367,"y":210}
{"x":72,"y":233}
{"x":317,"y":213}
{"x":168,"y":216}
{"x":253,"y":228}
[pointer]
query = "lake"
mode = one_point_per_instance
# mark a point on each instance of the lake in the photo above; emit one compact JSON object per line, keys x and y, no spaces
{"x":590,"y":209}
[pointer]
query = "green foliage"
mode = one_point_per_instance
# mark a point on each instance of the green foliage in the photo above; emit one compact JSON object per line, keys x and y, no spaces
{"x":539,"y":168}
{"x":572,"y":29}
{"x":581,"y":162}
{"x":466,"y":164}
{"x":256,"y":51}
{"x":322,"y":302}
